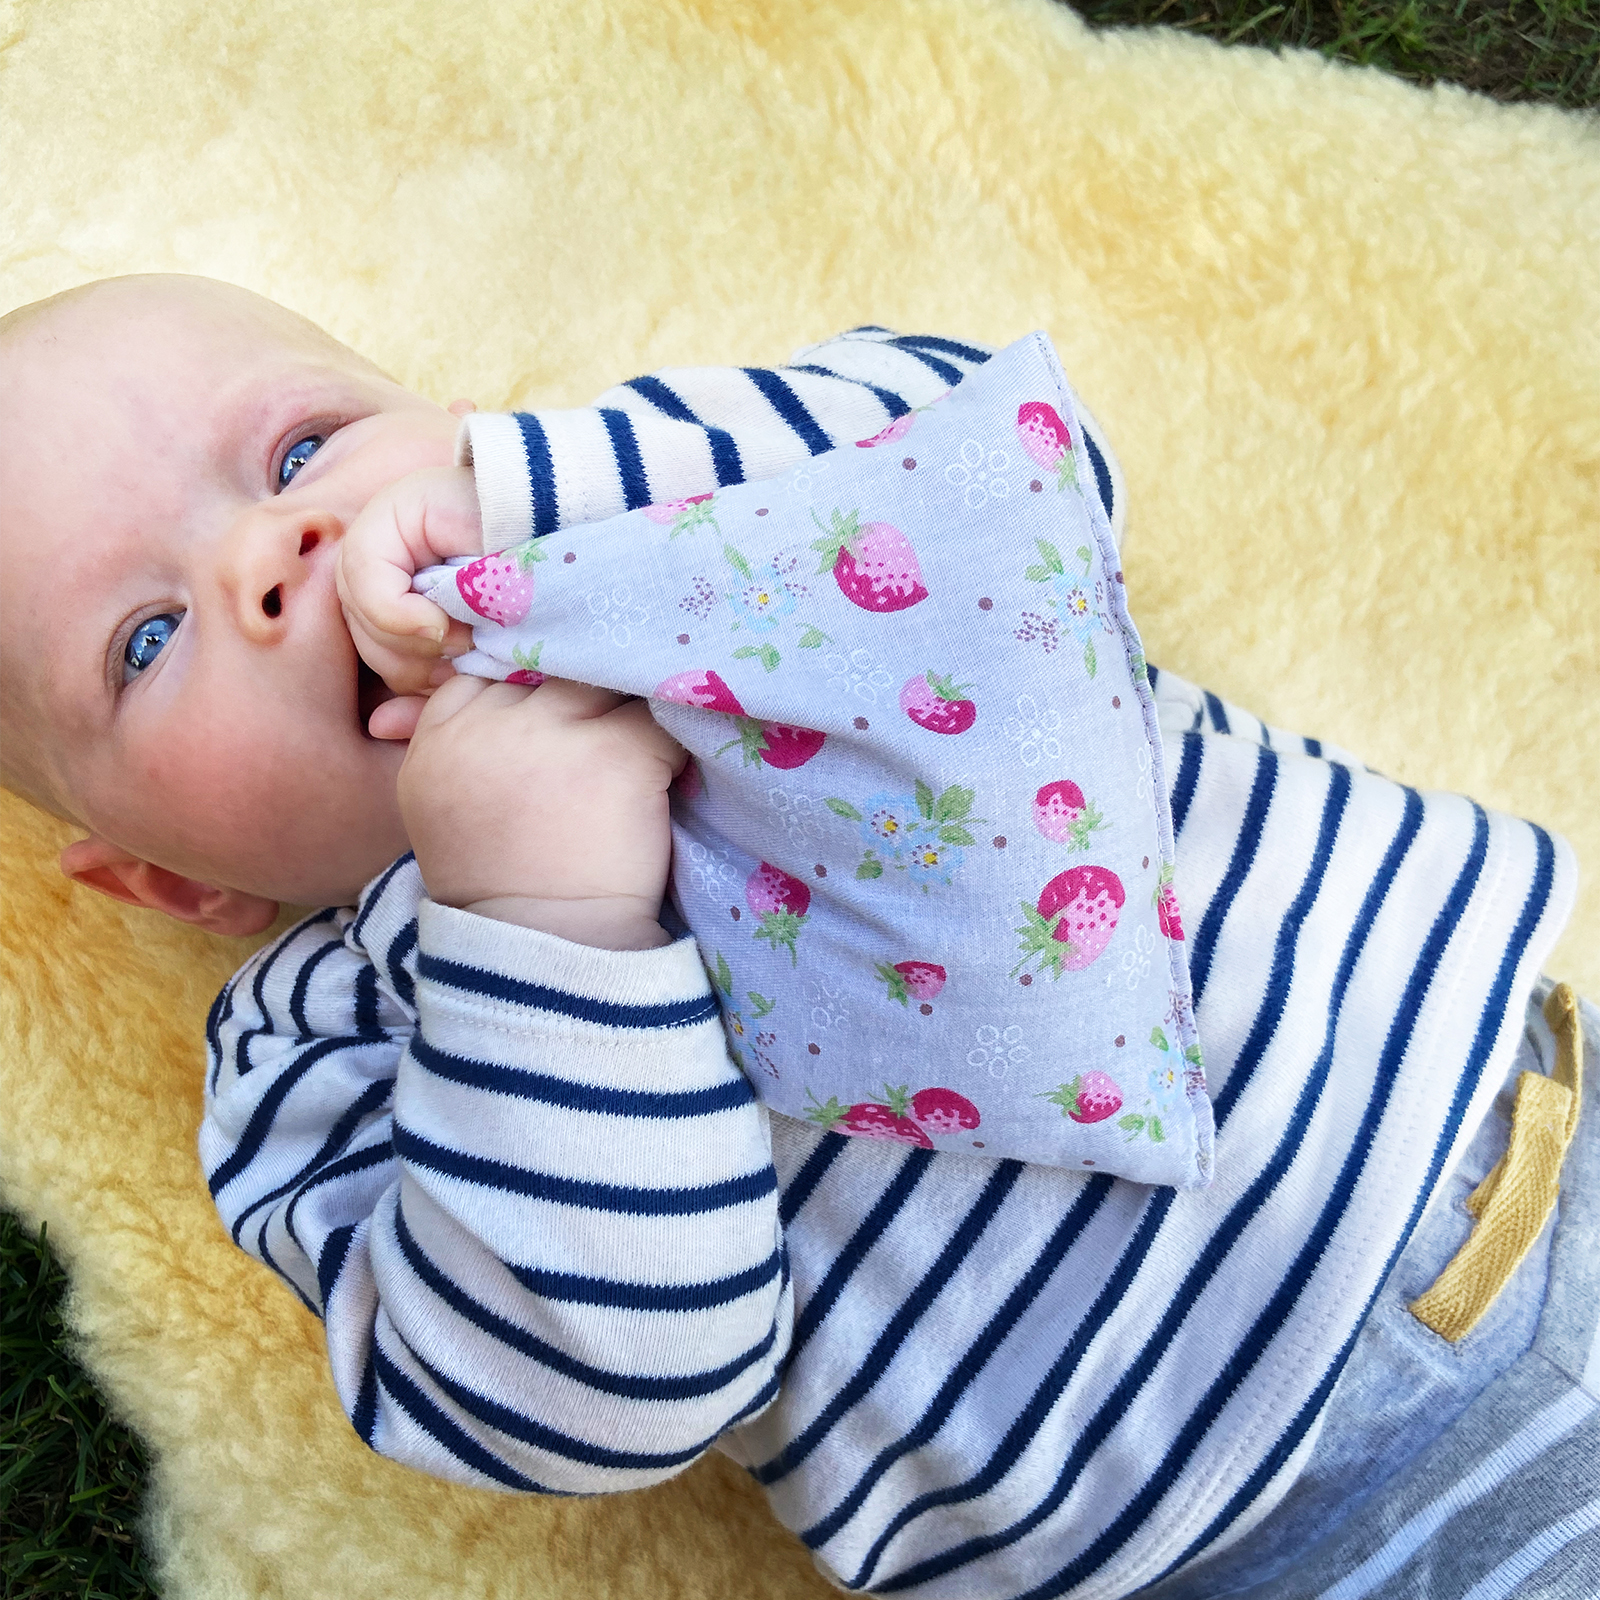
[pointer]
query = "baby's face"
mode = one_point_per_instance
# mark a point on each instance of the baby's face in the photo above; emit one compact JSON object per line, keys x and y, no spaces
{"x":178,"y":461}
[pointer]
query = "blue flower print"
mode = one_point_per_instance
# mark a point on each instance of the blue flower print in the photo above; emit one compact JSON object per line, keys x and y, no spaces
{"x":763,"y":600}
{"x":929,"y":860}
{"x":889,"y":823}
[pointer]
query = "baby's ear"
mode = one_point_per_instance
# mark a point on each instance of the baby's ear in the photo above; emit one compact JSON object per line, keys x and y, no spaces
{"x":98,"y":864}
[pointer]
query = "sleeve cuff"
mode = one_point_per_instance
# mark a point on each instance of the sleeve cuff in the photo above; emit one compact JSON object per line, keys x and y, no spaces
{"x":490,"y":442}
{"x":525,"y":956}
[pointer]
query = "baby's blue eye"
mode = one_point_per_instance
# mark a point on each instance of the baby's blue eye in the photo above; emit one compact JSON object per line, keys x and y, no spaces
{"x":147,"y":640}
{"x":297,"y":457}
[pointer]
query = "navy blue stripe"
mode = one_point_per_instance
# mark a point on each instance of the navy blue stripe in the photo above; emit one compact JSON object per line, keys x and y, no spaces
{"x":1298,"y":1275}
{"x":395,"y":958}
{"x":1094,"y":1433}
{"x":1280,"y":975}
{"x":790,"y":407}
{"x":364,"y":1418}
{"x":371,"y":1099}
{"x":221,"y":1011}
{"x":541,"y":473}
{"x":896,"y":405}
{"x":302,"y":982}
{"x":331,"y":1259}
{"x":444,"y":1432}
{"x":757,"y":1401}
{"x":1244,"y":855}
{"x":620,"y":1199}
{"x":943,"y":369}
{"x":1154,"y":674}
{"x":607,"y":1013}
{"x":950,"y":347}
{"x":1102,"y":479}
{"x":1189,"y":762}
{"x":260,"y":1123}
{"x":372,"y":1155}
{"x":1490,"y":1025}
{"x":371,"y":896}
{"x":525,"y":1084}
{"x":631,"y":1386}
{"x":518,"y":1425}
{"x":828,"y":1150}
{"x":1313,"y":747}
{"x":264,"y":1255}
{"x":663,"y":399}
{"x":724,"y":452}
{"x":976,"y":1357}
{"x":1219,"y":717}
{"x":887,"y":1345}
{"x":258,"y":992}
{"x":366,"y":987}
{"x":867,"y":1234}
{"x":1266,"y":735}
{"x":630,"y":464}
{"x":1031,"y":1418}
{"x":576,"y":1289}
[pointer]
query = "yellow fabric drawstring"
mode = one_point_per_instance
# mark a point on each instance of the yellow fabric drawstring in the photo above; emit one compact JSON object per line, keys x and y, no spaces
{"x":1513,"y":1203}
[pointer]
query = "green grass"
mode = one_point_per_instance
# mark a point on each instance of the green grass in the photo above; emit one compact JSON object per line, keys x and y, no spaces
{"x":70,"y":1478}
{"x":1537,"y":50}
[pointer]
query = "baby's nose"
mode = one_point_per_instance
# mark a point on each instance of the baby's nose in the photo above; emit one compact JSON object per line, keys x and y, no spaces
{"x":272,"y":557}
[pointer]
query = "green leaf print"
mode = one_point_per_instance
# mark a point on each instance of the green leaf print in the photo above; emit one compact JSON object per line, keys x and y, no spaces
{"x":759,"y":1003}
{"x":736,"y":561}
{"x":1083,"y":556}
{"x":1052,"y":557}
{"x":1040,"y":574}
{"x":924,"y":799}
{"x":1089,"y":661}
{"x":765,"y":653}
{"x":1131,"y":1123}
{"x":953,"y":833}
{"x":812,"y":637}
{"x":1159,"y":1039}
{"x":843,"y":808}
{"x":724,"y":976}
{"x":954,"y":804}
{"x":871,"y":867}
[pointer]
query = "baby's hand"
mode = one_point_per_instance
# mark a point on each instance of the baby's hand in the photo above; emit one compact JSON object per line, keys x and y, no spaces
{"x":414,"y":523}
{"x":545,"y":807}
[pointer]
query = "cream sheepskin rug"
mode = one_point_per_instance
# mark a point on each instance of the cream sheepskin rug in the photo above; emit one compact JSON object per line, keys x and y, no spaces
{"x":1344,"y":334}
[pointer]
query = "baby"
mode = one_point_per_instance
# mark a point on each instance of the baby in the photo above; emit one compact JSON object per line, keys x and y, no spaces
{"x":480,"y":1115}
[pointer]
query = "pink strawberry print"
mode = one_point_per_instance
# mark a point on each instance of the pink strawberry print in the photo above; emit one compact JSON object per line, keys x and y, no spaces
{"x":1073,"y":922}
{"x":778,"y":744}
{"x":700,"y":686}
{"x":1165,"y":900}
{"x":916,"y":980}
{"x":873,"y":564}
{"x":942,"y":1111}
{"x":868,"y":1119}
{"x":527,"y":661}
{"x":935,"y":703}
{"x":1090,"y":1097}
{"x":1047,"y":439}
{"x":500,"y":587}
{"x":1062,"y":815}
{"x":683,"y":516}
{"x":781,"y":902}
{"x":897,"y":429}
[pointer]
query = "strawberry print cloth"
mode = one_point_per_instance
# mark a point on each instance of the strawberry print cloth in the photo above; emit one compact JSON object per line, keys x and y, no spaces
{"x":923,"y":840}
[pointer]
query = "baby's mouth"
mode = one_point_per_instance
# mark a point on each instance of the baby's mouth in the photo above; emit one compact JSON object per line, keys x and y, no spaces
{"x":371,"y":692}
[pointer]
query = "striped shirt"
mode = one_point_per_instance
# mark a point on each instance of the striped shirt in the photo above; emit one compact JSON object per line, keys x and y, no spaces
{"x":559,"y":1247}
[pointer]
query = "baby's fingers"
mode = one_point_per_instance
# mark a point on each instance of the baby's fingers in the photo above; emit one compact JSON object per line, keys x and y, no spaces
{"x":377,"y":593}
{"x":397,"y":718}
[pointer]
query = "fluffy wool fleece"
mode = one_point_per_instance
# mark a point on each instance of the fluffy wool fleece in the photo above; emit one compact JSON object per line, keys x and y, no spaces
{"x":1343,"y":334}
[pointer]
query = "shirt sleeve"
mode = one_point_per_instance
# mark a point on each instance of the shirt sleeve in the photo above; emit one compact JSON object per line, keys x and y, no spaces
{"x":520,"y":1181}
{"x":688,"y":431}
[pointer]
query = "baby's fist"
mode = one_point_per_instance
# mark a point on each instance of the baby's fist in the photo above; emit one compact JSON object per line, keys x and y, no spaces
{"x":418,"y":521}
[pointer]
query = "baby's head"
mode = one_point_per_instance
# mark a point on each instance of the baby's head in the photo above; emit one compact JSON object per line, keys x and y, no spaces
{"x":178,"y":461}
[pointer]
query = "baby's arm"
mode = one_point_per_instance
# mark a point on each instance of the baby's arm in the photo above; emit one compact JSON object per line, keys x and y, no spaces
{"x":519,"y":1180}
